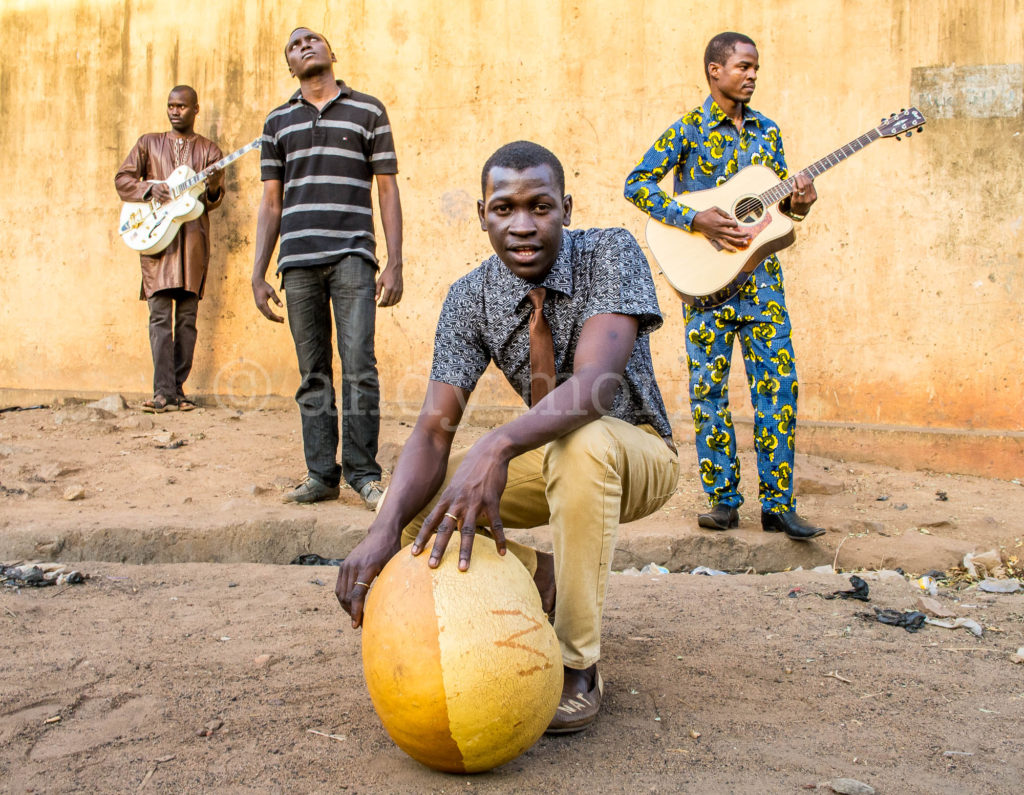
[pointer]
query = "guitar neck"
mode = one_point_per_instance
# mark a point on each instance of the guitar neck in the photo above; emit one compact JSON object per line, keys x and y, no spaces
{"x":203,"y":175}
{"x":787,"y":186}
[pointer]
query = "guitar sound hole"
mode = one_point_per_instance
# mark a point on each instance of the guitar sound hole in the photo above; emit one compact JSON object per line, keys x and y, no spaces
{"x":749,"y":210}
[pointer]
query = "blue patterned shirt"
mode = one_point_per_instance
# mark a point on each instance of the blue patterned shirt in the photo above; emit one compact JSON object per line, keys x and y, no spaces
{"x":704,"y":149}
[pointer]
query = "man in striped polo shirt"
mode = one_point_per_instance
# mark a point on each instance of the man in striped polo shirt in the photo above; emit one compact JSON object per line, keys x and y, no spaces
{"x":321,"y":151}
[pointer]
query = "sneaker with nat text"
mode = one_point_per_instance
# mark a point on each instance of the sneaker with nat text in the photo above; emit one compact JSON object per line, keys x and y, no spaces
{"x":311,"y":490}
{"x":579,"y":709}
{"x":371,"y":492}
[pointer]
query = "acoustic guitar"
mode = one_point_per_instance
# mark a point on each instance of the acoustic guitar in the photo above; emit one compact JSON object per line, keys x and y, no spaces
{"x":149,"y":227}
{"x":697,"y":267}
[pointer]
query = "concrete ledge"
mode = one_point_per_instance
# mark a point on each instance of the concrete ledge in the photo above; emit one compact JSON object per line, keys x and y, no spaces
{"x":279,"y":541}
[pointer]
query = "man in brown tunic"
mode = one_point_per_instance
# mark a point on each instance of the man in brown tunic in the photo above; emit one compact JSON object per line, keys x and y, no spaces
{"x":173,"y":280}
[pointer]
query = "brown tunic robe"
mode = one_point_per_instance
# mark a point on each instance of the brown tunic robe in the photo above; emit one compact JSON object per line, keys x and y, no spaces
{"x":184,"y":262}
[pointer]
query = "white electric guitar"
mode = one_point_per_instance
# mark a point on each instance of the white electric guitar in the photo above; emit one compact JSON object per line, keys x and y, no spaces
{"x":149,"y":227}
{"x":701,"y":268}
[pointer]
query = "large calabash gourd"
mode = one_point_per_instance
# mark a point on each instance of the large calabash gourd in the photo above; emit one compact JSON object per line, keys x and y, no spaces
{"x":463,"y":668}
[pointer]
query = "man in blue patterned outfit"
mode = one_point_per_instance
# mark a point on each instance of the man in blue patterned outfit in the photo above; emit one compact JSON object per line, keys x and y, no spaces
{"x":704,"y":148}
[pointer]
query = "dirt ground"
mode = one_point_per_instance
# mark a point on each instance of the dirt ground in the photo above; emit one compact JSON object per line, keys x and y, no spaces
{"x":714,"y":684}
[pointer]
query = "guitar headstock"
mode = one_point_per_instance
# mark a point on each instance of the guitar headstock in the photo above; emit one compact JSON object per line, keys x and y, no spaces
{"x":903,"y":122}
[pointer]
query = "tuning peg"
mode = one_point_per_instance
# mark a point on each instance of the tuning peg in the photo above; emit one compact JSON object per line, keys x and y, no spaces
{"x":920,"y":129}
{"x":897,"y":137}
{"x":909,"y":133}
{"x":903,"y":110}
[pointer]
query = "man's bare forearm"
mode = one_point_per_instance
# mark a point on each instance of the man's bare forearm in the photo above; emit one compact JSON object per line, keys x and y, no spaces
{"x":601,"y":356}
{"x":268,"y":227}
{"x":391,"y":217}
{"x":419,"y":473}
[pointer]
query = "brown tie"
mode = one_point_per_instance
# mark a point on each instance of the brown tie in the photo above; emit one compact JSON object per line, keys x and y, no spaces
{"x":542,"y":349}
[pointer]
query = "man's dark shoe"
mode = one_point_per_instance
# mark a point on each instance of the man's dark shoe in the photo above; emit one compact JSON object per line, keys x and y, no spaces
{"x":311,"y":490}
{"x":792,"y":525}
{"x":577,"y":710}
{"x":721,"y":517}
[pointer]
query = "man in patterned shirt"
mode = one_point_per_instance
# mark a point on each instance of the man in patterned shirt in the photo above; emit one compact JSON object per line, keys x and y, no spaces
{"x":704,"y":148}
{"x":595,"y":447}
{"x":321,"y":152}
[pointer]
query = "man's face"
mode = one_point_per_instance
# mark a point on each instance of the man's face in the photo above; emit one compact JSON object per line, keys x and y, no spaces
{"x":182,"y":110}
{"x":737,"y":77}
{"x":523,"y":213}
{"x":307,"y":53}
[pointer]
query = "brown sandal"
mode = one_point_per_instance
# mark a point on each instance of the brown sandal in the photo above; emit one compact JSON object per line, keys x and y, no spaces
{"x":184,"y":404}
{"x":158,"y":405}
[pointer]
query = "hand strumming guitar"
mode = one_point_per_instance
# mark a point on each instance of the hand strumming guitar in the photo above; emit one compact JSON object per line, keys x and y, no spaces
{"x":719,"y":226}
{"x":160,"y":192}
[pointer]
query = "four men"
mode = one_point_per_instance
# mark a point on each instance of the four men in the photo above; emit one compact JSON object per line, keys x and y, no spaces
{"x":565,"y":315}
{"x":173,"y":280}
{"x":704,"y":148}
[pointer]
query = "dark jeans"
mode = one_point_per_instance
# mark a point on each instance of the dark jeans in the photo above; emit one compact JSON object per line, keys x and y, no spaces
{"x":172,"y":337}
{"x":309,"y":293}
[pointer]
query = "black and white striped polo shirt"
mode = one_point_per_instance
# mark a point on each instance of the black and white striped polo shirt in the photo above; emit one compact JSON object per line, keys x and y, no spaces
{"x":326,"y":160}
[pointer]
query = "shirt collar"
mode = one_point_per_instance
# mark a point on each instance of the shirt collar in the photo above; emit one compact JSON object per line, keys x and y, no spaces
{"x":716,"y":116}
{"x":512,"y":290}
{"x":345,"y":90}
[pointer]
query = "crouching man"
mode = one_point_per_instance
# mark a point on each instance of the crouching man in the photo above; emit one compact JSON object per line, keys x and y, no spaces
{"x":565,"y":316}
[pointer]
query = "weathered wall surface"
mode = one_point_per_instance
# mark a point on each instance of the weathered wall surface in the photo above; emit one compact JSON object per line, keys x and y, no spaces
{"x":905,"y":284}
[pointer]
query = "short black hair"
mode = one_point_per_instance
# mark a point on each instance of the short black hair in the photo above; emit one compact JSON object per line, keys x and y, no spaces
{"x":303,"y":27}
{"x":721,"y":47}
{"x":519,"y":156}
{"x":186,"y":90}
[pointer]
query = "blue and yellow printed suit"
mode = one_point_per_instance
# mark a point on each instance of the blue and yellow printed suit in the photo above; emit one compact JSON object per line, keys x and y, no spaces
{"x":704,"y":148}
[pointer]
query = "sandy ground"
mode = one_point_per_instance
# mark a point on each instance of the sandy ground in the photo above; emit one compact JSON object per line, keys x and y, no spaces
{"x":784,"y":693}
{"x":715,"y":684}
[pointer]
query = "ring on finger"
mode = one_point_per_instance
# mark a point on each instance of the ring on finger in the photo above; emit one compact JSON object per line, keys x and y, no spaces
{"x":452,"y":516}
{"x":364,"y":584}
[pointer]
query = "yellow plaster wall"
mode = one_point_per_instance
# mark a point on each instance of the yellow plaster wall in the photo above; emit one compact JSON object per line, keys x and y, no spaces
{"x":905,"y":285}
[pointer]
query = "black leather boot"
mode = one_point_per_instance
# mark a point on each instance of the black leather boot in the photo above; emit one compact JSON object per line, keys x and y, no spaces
{"x":789,"y":523}
{"x":721,"y":517}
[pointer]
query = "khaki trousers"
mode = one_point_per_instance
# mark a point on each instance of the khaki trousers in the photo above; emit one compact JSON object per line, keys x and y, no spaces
{"x":583,"y":484}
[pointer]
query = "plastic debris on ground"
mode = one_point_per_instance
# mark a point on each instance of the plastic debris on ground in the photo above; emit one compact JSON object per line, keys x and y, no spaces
{"x":983,"y":564}
{"x":911,"y":620}
{"x":928,"y":585}
{"x":653,"y":568}
{"x":37,"y":575}
{"x":859,"y":591}
{"x":999,"y":586}
{"x":311,"y":559}
{"x":708,"y":571}
{"x":967,"y":623}
{"x":1018,"y":658}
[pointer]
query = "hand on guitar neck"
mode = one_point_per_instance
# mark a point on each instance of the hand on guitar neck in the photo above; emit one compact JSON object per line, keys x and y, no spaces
{"x":718,"y":226}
